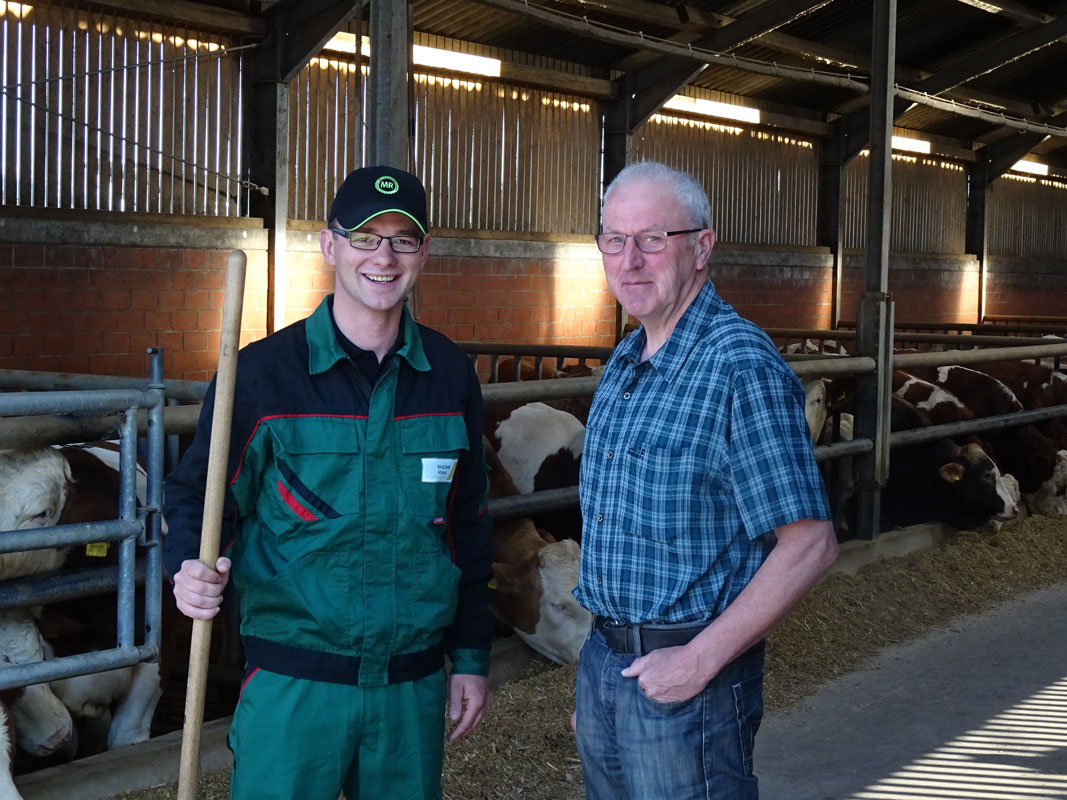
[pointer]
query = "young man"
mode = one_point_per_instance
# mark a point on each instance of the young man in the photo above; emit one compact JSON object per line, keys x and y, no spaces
{"x":704,"y":516}
{"x":358,"y":539}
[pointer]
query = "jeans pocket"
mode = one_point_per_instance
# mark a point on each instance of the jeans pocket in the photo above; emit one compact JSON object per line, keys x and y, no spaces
{"x":748,"y":706}
{"x":666,"y":708}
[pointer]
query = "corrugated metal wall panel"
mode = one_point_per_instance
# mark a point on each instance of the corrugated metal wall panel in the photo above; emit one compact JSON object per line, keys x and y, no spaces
{"x":112,"y":112}
{"x":762,"y":186}
{"x":1028,"y":217}
{"x":929,"y":205}
{"x":504,"y":158}
{"x":326,"y":141}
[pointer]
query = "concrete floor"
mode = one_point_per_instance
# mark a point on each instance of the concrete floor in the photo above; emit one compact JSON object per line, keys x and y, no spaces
{"x":978,"y":710}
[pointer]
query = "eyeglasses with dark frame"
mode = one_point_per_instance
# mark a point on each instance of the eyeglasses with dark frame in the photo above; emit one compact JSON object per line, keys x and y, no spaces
{"x":361,"y":240}
{"x":646,"y":241}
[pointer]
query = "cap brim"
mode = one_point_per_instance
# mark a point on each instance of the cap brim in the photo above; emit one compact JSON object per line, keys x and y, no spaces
{"x":387,"y":211}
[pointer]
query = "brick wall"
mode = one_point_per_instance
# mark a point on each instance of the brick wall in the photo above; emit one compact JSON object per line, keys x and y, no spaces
{"x":1037,"y":287}
{"x":104,"y":290}
{"x":775,"y":288}
{"x":97,"y":307}
{"x":924,"y":288}
{"x":488,"y":290}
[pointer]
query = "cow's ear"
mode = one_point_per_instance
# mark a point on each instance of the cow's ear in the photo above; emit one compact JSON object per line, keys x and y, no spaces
{"x":508,"y":578}
{"x":951,"y":472}
{"x":548,"y":537}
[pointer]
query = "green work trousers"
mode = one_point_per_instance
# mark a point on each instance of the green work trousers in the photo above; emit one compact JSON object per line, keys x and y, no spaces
{"x":296,"y":739}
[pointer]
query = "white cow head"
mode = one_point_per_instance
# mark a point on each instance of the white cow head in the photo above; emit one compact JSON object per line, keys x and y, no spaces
{"x":815,"y":406}
{"x":534,"y":596}
{"x":1050,"y":499}
{"x":33,"y":491}
{"x":562,"y":624}
{"x":41,"y":722}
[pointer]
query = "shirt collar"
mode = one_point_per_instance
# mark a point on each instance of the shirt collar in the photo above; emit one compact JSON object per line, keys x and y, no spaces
{"x":669,"y":360}
{"x":324,"y":350}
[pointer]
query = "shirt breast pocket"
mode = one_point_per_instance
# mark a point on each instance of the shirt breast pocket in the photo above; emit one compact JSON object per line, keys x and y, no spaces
{"x":430,"y":450}
{"x":315,"y":475}
{"x":657,"y":497}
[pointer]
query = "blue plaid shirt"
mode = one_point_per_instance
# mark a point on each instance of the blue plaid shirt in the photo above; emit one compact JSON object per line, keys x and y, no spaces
{"x":691,"y":460}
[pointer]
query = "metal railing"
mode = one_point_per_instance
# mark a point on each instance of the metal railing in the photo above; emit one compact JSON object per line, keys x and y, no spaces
{"x":133,"y":529}
{"x":985,"y":349}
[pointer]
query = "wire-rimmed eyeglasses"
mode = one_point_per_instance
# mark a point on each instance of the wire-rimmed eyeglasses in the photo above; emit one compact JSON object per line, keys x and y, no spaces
{"x":646,"y":241}
{"x":361,"y":240}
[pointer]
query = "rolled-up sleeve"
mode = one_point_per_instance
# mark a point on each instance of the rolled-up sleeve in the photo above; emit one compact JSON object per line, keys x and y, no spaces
{"x":776,"y":480}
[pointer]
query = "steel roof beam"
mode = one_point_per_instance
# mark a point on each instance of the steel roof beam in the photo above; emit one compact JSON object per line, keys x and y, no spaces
{"x":763,"y":20}
{"x":998,"y":158}
{"x":987,"y":57}
{"x":659,"y":81}
{"x":1016,"y":12}
{"x":301,"y":28}
{"x":692,"y":22}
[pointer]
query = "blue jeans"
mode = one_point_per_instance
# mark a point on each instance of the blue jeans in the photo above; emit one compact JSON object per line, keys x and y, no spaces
{"x":634,"y":748}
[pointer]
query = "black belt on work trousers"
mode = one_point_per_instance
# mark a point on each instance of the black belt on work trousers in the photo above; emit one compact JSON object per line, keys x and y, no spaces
{"x":640,"y":638}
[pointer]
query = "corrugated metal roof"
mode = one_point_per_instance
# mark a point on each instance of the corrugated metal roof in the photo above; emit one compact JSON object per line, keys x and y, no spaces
{"x":930,"y":35}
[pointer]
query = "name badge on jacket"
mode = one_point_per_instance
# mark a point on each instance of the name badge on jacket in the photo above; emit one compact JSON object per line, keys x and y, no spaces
{"x":438,"y":470}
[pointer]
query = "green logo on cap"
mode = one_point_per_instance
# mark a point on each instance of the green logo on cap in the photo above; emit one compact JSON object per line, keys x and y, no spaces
{"x":386,"y":185}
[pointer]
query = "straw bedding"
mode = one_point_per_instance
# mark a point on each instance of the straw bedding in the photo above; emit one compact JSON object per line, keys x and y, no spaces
{"x":525,"y":748}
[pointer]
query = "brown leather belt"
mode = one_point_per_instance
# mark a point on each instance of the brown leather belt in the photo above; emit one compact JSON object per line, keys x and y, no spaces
{"x":640,"y":638}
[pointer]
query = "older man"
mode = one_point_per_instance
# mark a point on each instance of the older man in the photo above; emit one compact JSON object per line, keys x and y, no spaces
{"x":704,"y":515}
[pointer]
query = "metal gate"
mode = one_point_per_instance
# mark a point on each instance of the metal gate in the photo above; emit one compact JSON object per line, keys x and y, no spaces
{"x":137,"y":531}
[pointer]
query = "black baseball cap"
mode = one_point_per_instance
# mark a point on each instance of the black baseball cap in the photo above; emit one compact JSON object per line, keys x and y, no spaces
{"x":370,"y":191}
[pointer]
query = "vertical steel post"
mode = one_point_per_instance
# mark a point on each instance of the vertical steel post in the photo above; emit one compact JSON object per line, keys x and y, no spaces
{"x":875,"y":314}
{"x":153,"y":579}
{"x":128,"y":513}
{"x":829,"y":230}
{"x":390,"y":71}
{"x":977,"y":226}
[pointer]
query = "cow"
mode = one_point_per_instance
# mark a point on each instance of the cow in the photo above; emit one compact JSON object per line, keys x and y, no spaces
{"x":505,"y":372}
{"x":534,"y":578}
{"x":67,"y":486}
{"x":33,"y":493}
{"x":1051,"y":498}
{"x":578,"y":406}
{"x":541,"y":448}
{"x":1022,"y":450}
{"x":1035,"y":386}
{"x":817,"y":399}
{"x":828,"y":347}
{"x":940,"y":480}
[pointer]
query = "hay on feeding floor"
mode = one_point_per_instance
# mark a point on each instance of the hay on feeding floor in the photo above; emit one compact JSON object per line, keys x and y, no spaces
{"x":525,"y":749}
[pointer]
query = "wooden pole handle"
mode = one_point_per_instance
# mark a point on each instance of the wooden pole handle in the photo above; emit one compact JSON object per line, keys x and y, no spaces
{"x":211,"y":531}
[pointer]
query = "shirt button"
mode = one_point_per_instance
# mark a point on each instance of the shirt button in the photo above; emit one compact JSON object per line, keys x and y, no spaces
{"x":625,"y":395}
{"x":611,"y":454}
{"x":599,"y":579}
{"x":599,"y":517}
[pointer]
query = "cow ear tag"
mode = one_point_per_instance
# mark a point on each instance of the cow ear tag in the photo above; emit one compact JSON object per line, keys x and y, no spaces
{"x":96,"y":549}
{"x":492,"y":583}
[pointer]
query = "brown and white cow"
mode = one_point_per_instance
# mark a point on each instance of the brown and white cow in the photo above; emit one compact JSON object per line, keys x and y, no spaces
{"x":1022,"y":450}
{"x":534,"y":578}
{"x":941,"y":481}
{"x":541,"y":448}
{"x":49,"y":486}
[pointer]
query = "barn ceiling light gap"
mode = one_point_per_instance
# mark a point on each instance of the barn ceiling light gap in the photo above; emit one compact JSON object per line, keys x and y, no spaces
{"x":911,"y":145}
{"x":426,"y":56}
{"x":713,"y":108}
{"x":1032,"y":167}
{"x":15,"y":9}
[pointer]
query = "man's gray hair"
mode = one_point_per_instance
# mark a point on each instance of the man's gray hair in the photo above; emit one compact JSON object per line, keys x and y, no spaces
{"x":685,"y":187}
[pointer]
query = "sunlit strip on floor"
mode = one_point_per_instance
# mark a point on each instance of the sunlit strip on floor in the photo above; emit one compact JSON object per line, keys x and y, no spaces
{"x":971,"y":767}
